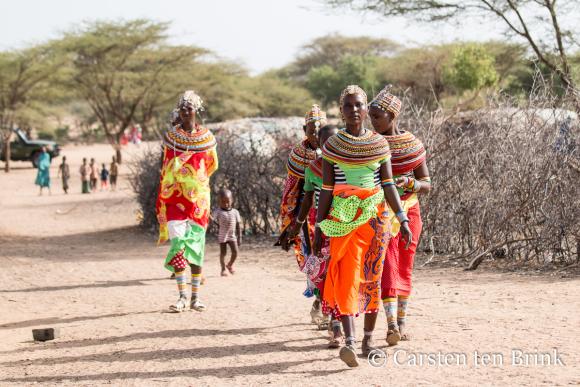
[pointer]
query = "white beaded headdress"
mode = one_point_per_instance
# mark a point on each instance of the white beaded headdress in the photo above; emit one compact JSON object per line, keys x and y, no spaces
{"x":190,"y":98}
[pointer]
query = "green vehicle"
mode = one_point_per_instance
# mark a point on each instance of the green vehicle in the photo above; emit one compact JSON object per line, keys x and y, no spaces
{"x":25,"y":149}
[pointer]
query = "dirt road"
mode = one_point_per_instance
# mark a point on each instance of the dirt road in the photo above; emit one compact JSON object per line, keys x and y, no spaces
{"x":79,"y":262}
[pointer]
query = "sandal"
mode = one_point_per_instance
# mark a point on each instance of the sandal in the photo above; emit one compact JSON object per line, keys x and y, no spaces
{"x":334,"y":342}
{"x":197,"y":305}
{"x":393,"y":336}
{"x":367,"y":347}
{"x":348,"y":355}
{"x":316,"y":316}
{"x":179,"y":306}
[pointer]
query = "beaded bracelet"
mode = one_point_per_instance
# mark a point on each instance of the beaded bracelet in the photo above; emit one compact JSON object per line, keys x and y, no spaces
{"x":402,"y":216}
{"x":387,"y":182}
{"x":327,"y":187}
{"x":416,"y":186}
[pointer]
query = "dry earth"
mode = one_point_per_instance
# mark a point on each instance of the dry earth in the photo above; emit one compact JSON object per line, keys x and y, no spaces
{"x":78,"y":262}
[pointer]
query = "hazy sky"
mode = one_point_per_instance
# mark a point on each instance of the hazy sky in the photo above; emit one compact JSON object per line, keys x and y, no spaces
{"x":261,"y":34}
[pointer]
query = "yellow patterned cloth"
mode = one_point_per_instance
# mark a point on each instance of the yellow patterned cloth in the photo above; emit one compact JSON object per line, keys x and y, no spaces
{"x":189,"y":159}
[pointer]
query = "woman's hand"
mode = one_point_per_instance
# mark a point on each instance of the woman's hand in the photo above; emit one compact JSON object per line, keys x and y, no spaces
{"x":400,"y":181}
{"x":293,"y":230}
{"x":317,"y":245}
{"x":406,"y":234}
{"x":283,"y":241}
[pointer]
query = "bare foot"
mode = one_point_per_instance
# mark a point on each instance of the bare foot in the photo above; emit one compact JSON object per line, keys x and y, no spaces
{"x":224,"y":273}
{"x":231,"y":268}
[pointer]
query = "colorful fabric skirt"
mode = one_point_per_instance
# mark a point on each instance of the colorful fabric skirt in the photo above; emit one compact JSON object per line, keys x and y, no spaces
{"x":315,"y":268}
{"x":398,"y":270}
{"x":187,"y":245}
{"x":303,"y":250}
{"x":43,"y":178}
{"x":352,"y":284}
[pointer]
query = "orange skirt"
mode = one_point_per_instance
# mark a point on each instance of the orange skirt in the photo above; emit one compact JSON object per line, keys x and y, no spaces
{"x":352,"y":284}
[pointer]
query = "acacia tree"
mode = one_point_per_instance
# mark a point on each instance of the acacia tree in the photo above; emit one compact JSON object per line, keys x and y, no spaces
{"x":119,"y":70}
{"x":550,"y":31}
{"x":24,"y":77}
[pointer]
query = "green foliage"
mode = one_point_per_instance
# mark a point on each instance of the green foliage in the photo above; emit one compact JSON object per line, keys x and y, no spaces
{"x":277,"y":98}
{"x":326,"y":83}
{"x":471,"y":68}
{"x":124,"y":71}
{"x":46,"y":135}
{"x":419,"y":70}
{"x":24,"y":80}
{"x":332,"y":49}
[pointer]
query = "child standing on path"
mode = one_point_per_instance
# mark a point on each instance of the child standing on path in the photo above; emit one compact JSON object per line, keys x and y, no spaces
{"x":64,"y":174}
{"x":94,"y":175}
{"x":85,"y":172}
{"x":114,"y":172}
{"x":104,"y":177}
{"x":230,"y":230}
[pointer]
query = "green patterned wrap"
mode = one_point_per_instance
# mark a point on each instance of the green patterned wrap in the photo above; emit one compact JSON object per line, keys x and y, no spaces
{"x":345,"y":210}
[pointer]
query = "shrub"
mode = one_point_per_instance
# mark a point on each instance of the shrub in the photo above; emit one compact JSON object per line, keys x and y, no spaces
{"x":504,"y":181}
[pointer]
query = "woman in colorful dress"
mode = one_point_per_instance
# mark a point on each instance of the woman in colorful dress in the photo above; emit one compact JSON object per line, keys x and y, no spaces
{"x":315,"y":266}
{"x":408,"y":161}
{"x":43,"y":173}
{"x":183,"y":203}
{"x":300,"y":157}
{"x":352,"y":213}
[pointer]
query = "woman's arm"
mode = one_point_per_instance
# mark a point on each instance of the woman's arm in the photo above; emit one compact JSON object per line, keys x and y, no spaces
{"x":394,"y":201}
{"x":421,"y":183}
{"x":289,"y":217}
{"x":305,"y":206}
{"x":324,"y":202}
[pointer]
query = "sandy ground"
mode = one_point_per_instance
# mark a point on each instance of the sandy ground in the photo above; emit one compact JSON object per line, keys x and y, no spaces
{"x":79,"y":262}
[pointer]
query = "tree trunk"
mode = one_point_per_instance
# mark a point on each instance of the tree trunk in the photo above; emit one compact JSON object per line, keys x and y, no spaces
{"x":7,"y":154}
{"x":118,"y":153}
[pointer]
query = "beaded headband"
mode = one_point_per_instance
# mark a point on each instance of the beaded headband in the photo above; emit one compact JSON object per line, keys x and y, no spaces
{"x":315,"y":114}
{"x":352,"y":89}
{"x":190,"y":98}
{"x":387,"y":102}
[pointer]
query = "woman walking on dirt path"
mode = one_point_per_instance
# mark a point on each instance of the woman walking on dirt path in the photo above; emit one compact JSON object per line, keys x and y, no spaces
{"x":357,"y":178}
{"x":300,"y":156}
{"x":43,"y":174}
{"x":183,"y":203}
{"x":408,"y":161}
{"x":314,"y":265}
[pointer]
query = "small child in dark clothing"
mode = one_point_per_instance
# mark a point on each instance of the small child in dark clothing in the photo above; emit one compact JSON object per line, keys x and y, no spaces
{"x":104,"y":177}
{"x":230,"y":230}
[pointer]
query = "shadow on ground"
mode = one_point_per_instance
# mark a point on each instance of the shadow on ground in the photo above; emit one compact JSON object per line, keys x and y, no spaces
{"x":115,"y":244}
